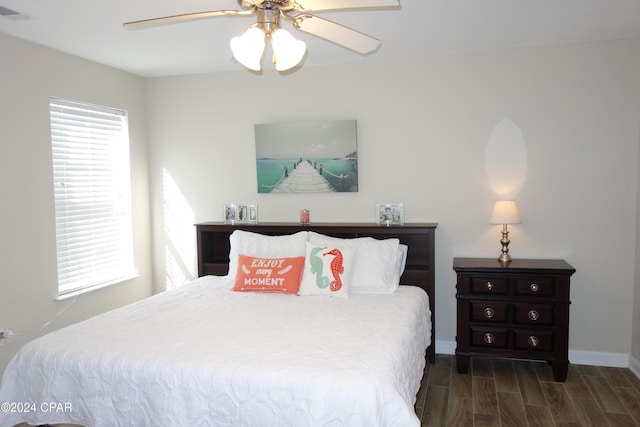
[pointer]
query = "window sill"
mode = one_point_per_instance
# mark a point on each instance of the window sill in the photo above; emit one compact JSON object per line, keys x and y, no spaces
{"x":74,"y":293}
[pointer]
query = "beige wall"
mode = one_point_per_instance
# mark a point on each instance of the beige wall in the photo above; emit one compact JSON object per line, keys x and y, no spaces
{"x":29,"y":74}
{"x":635,"y":344}
{"x":423,"y":130}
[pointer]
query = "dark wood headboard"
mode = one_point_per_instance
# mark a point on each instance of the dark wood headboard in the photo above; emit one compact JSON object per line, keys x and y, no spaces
{"x":213,"y":250}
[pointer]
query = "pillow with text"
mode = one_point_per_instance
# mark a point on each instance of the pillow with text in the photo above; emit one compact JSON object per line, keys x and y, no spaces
{"x":268,"y":274}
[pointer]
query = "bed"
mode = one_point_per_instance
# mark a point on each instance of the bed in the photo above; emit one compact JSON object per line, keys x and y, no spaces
{"x":204,"y":355}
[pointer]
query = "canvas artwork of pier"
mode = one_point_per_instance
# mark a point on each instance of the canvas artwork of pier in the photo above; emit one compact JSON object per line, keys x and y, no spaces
{"x":307,"y":157}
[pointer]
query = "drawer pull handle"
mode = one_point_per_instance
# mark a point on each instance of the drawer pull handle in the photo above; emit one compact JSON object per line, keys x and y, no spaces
{"x":533,"y":341}
{"x":489,"y":286}
{"x":533,"y":315}
{"x":534,"y":287}
{"x":488,"y":312}
{"x":489,"y":338}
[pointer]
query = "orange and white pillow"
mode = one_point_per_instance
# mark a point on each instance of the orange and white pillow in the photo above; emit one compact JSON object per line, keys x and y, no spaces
{"x":268,"y":274}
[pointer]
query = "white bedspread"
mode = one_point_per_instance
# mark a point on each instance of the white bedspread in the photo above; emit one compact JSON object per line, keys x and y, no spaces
{"x":202,"y":355}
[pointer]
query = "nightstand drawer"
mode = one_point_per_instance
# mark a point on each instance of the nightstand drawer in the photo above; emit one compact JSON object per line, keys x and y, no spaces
{"x":534,"y":287}
{"x":489,"y":285}
{"x":489,"y":311}
{"x":534,"y":314}
{"x":489,"y":337}
{"x":533,"y":340}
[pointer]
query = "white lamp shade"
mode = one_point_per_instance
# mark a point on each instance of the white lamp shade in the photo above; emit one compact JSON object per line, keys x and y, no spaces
{"x":505,"y":212}
{"x":248,"y":48}
{"x":287,"y":51}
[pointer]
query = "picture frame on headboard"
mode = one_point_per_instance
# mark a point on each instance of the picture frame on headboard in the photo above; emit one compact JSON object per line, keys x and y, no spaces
{"x":230,"y":213}
{"x":390,"y":214}
{"x":248,"y":213}
{"x":241,"y":213}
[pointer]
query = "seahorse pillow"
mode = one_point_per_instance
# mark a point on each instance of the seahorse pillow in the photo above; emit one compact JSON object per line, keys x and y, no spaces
{"x":327,"y":270}
{"x":377,"y":267}
{"x":268,"y":274}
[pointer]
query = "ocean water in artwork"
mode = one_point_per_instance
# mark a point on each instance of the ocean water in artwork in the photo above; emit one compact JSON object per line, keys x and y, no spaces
{"x":341,"y":174}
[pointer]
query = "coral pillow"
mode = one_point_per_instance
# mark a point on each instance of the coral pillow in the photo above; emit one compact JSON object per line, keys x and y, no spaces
{"x":327,"y":270}
{"x":268,"y":274}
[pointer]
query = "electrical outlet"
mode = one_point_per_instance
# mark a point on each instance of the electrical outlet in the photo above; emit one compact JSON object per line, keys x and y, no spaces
{"x":4,"y":336}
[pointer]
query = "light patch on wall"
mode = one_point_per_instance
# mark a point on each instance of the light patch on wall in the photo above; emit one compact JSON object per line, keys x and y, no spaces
{"x":506,"y":159}
{"x":180,"y":237}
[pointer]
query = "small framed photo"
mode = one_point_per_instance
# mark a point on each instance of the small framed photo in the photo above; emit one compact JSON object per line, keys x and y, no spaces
{"x":230,"y":213}
{"x":246,"y":213}
{"x":390,"y":214}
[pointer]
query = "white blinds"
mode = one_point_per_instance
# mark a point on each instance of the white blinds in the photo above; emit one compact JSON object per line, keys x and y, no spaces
{"x":91,"y":173}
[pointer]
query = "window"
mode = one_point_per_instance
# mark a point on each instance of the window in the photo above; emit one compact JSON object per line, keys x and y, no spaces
{"x":91,"y":176}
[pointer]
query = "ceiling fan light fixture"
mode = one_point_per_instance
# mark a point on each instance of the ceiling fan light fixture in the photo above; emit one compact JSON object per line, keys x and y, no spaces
{"x":249,"y":47}
{"x":288,"y":52}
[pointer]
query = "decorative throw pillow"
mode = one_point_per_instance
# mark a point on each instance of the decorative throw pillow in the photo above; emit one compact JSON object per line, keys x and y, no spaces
{"x":376,"y":264}
{"x":268,"y":274}
{"x":401,"y":262}
{"x":327,"y":270}
{"x":264,"y":246}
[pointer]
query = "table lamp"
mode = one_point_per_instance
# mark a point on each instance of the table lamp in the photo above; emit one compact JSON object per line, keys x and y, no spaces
{"x":505,"y":212}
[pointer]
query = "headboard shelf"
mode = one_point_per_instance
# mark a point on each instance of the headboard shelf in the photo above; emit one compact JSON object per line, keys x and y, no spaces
{"x":213,"y":249}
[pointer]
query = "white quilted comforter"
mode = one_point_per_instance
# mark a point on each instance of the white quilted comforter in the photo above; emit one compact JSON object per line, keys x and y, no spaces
{"x":202,"y":355}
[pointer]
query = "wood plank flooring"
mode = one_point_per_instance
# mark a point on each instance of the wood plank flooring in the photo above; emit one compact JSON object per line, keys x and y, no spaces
{"x":514,"y":393}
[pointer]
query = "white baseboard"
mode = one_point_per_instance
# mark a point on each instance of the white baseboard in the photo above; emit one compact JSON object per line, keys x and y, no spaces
{"x":634,"y":366}
{"x":445,"y":347}
{"x":597,"y":358}
{"x":577,"y":357}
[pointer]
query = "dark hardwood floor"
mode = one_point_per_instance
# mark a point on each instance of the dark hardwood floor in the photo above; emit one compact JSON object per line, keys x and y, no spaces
{"x":505,"y":393}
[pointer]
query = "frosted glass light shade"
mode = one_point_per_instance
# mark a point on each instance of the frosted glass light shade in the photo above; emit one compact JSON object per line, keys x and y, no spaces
{"x":288,"y":52}
{"x":505,"y":212}
{"x":248,"y":48}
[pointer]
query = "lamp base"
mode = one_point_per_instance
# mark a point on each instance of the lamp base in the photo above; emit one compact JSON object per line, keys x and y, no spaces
{"x":504,"y":256}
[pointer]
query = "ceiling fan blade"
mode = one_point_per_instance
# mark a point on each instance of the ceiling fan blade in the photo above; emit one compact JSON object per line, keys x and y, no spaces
{"x":174,"y":19}
{"x":315,"y":5}
{"x":336,"y":33}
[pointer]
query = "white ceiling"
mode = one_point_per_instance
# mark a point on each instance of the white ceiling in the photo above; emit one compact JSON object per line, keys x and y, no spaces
{"x":93,"y":30}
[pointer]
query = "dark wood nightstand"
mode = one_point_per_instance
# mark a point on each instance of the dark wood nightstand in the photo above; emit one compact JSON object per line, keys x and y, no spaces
{"x":518,"y":309}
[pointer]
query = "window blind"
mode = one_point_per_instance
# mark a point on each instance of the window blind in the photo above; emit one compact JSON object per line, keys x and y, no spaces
{"x":91,"y":175}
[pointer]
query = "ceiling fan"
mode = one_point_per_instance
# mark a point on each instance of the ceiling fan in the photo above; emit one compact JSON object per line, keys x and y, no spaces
{"x":288,"y":52}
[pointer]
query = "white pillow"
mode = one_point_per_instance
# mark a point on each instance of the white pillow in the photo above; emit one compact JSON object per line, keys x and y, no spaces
{"x":375,"y":269}
{"x":328,"y":270}
{"x":263,"y":246}
{"x":401,"y":262}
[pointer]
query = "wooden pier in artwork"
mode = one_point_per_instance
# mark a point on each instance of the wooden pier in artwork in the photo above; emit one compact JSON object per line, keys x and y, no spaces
{"x":303,"y":179}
